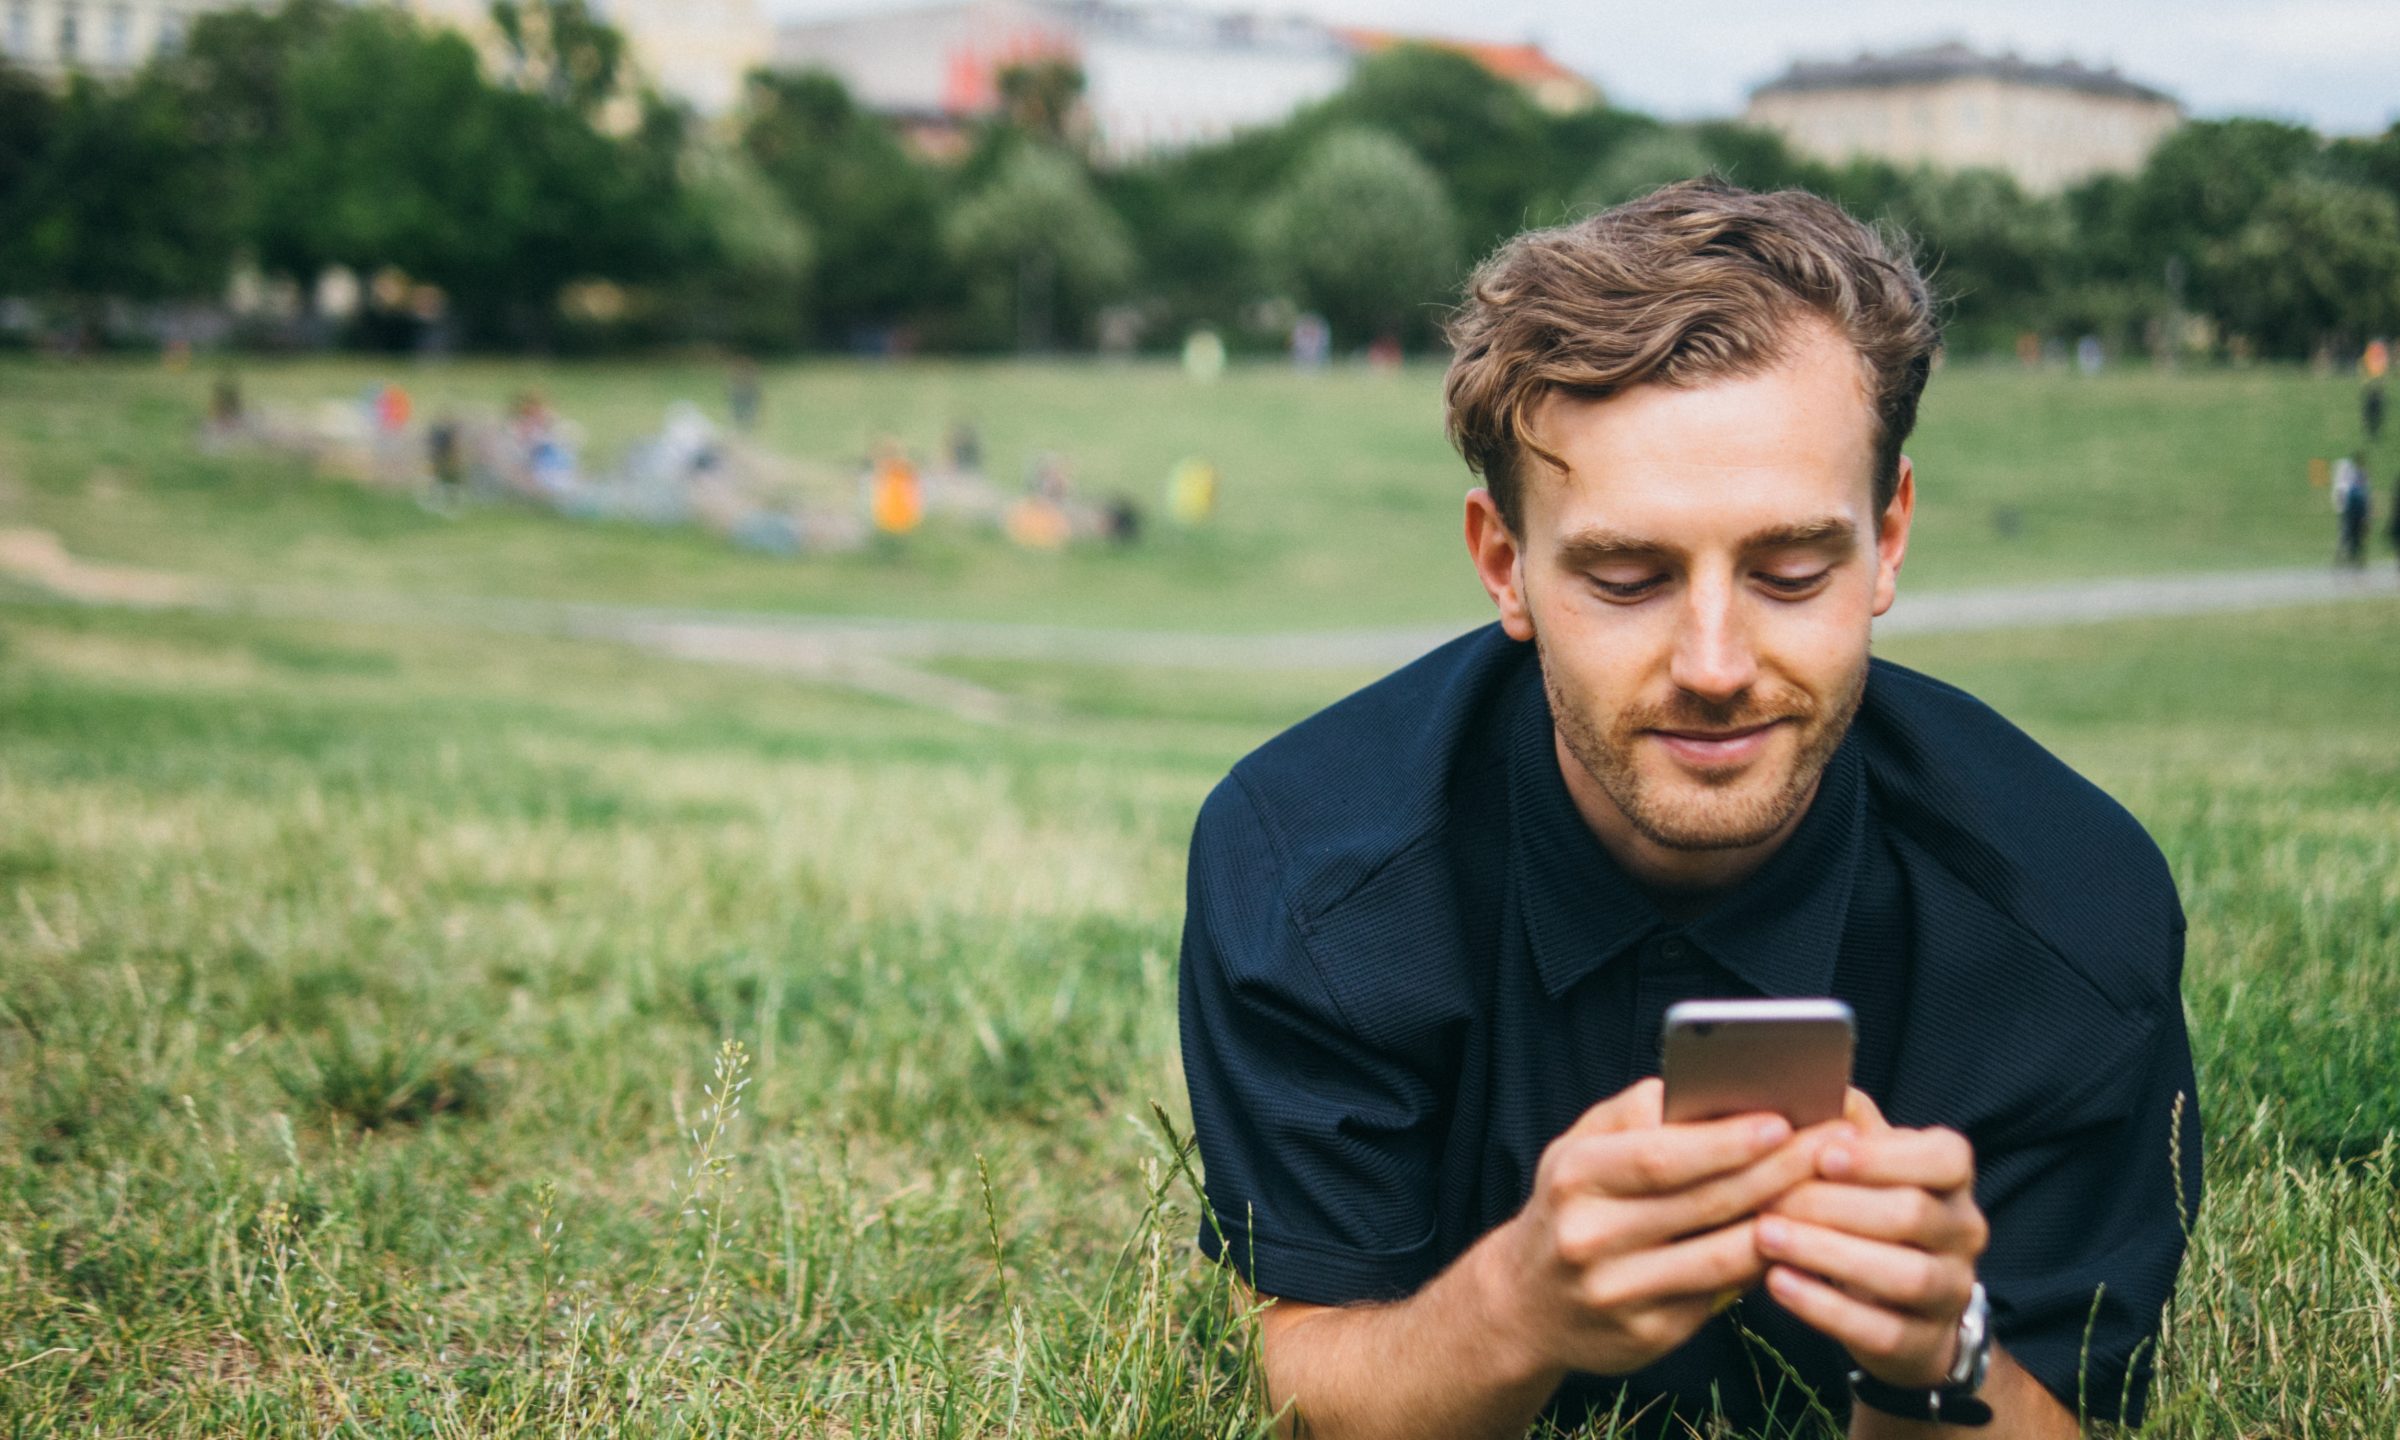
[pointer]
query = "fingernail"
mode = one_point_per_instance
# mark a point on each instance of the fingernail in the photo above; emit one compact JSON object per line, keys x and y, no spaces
{"x":1771,"y":1130}
{"x":1773,"y":1232}
{"x":1836,"y":1160}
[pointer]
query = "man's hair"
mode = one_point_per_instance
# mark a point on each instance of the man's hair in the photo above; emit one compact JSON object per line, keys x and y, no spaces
{"x":1695,"y":282}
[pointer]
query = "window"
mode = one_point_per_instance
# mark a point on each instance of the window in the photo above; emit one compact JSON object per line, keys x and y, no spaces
{"x":170,"y":31}
{"x":70,"y":32}
{"x":20,"y":28}
{"x":120,"y":34}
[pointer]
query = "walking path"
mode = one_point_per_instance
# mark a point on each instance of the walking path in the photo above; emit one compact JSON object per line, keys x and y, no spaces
{"x":883,"y":656}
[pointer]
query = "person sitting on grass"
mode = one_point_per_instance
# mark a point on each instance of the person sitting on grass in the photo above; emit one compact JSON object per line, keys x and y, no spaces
{"x":1432,"y":930}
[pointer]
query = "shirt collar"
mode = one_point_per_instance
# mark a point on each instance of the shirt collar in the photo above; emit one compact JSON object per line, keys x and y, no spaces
{"x":1780,"y":930}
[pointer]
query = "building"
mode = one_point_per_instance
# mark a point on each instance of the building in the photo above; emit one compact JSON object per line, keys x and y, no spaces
{"x":1529,"y":67}
{"x":1156,"y":77}
{"x":695,"y":50}
{"x":1951,"y":107}
{"x":101,"y":37}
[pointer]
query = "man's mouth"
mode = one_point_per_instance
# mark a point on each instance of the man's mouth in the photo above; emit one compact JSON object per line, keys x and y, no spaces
{"x":1716,"y":749}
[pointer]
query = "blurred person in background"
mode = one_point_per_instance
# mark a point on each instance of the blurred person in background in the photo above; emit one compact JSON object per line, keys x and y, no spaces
{"x":2351,"y":503}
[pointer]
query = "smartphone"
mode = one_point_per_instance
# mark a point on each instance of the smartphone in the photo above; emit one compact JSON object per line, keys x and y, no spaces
{"x":1732,"y":1057}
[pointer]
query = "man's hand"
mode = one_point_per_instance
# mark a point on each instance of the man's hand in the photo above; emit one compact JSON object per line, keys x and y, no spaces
{"x":1637,"y":1231}
{"x":1879,"y":1251}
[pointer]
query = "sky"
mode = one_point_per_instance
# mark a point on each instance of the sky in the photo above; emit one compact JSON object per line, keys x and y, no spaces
{"x":2334,"y":64}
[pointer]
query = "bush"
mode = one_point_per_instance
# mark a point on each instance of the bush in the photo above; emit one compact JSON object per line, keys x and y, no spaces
{"x":1363,"y":234}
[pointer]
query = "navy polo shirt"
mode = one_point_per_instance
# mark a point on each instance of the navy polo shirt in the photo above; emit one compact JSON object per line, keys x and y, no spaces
{"x":1408,"y":966}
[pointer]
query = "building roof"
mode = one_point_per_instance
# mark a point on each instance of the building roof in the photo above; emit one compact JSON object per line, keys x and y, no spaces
{"x":1527,"y":65}
{"x":1954,"y":61}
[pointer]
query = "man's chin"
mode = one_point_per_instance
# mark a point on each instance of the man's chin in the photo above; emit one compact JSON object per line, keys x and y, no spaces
{"x":1690,"y":816}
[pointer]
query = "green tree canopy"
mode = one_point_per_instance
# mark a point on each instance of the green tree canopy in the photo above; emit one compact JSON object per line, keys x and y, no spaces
{"x":1364,"y":234}
{"x":1039,"y":235}
{"x":873,"y":208}
{"x":2317,"y":263}
{"x":1480,"y":135}
{"x":105,"y":194}
{"x":1645,"y":162}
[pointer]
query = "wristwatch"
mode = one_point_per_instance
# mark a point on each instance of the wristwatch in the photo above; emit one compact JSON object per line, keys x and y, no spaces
{"x":1953,"y":1402}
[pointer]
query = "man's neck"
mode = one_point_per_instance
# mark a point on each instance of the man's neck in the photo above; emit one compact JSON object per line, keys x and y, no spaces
{"x":1684,"y":879}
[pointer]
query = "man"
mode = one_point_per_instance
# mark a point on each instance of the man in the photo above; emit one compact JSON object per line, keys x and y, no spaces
{"x":1432,"y":930}
{"x":2352,"y":498}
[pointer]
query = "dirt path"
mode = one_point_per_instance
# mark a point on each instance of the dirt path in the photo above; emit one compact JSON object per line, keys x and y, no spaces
{"x":886,"y":657}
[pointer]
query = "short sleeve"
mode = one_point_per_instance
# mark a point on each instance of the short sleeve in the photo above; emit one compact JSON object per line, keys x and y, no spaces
{"x":2088,"y":1231}
{"x":1318,"y":1149}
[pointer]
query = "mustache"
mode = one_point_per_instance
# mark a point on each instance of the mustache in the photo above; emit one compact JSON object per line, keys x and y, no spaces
{"x":1695,"y":712}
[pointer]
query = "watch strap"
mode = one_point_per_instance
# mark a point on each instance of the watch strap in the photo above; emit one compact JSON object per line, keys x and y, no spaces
{"x":1948,"y":1405}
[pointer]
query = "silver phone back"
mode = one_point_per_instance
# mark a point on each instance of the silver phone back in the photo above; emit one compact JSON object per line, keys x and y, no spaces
{"x":1785,"y":1057}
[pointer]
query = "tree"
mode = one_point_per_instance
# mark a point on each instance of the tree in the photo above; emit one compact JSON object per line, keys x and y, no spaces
{"x":1482,"y":136}
{"x":1993,"y":253}
{"x":28,"y":125}
{"x":872,"y":208}
{"x":2318,"y":263}
{"x":104,"y":194}
{"x":562,"y":51}
{"x":1042,"y":99}
{"x":2203,"y":184}
{"x":1644,"y":163}
{"x":1363,"y":234}
{"x":748,"y":281}
{"x":386,"y":146}
{"x":1039,"y":240}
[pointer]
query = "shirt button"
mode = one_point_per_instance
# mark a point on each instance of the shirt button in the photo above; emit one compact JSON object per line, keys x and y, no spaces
{"x":1675,"y":950}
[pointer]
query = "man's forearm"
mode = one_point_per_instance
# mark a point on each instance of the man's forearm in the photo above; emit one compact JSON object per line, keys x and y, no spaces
{"x":2022,"y":1409}
{"x":1445,"y":1362}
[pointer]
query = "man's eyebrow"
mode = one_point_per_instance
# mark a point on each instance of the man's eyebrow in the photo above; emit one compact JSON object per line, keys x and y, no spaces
{"x":1824,"y":532}
{"x":1597,"y":542}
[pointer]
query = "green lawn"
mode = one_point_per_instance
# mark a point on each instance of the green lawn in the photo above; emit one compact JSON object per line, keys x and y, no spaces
{"x":363,"y":988}
{"x":1340,"y":497}
{"x":359,"y":990}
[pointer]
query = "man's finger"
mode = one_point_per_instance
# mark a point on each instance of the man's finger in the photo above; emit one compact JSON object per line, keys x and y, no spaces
{"x":1728,"y":1197}
{"x":1899,"y":1348}
{"x":1663,"y":1159}
{"x":1903,"y":1214}
{"x":1698,"y":1269}
{"x":1939,"y":1160}
{"x":1898,"y":1277}
{"x":1860,"y":1109}
{"x":1639,"y":1106}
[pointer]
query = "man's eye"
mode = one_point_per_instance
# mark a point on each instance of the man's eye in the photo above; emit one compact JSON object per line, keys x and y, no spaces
{"x":1627,"y":589}
{"x":1794,"y":584}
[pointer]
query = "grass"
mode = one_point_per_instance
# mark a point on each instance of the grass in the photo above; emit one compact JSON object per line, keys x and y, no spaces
{"x":405,"y":1031}
{"x":363,"y":1032}
{"x":1340,"y":498}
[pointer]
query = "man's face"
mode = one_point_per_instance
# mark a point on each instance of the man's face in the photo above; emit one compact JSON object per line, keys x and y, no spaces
{"x":1700,"y":581}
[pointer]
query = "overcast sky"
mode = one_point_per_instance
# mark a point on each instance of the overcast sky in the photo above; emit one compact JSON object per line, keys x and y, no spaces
{"x":2332,"y":63}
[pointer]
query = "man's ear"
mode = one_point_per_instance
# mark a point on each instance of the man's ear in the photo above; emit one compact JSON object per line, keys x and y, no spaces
{"x":1499,"y":563}
{"x":1891,"y":536}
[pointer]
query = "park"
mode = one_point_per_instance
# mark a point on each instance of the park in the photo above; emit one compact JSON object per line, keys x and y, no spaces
{"x":615,"y":621}
{"x":417,"y":1026}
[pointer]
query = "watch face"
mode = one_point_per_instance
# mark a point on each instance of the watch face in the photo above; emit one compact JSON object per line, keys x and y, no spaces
{"x":1974,"y":1343}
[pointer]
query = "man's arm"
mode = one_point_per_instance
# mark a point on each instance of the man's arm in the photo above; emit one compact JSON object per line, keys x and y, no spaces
{"x":1634,"y":1232}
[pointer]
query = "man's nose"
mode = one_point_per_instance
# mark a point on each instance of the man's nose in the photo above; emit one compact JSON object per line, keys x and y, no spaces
{"x":1713,"y":657}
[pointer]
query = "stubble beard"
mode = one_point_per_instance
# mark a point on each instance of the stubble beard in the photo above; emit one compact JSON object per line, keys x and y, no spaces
{"x":1698,"y":814}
